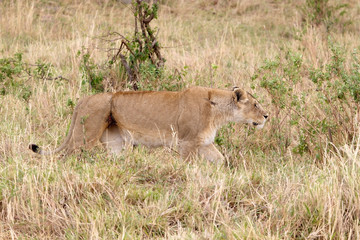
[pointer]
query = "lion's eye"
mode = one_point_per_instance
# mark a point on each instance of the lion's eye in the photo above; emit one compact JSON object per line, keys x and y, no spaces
{"x":255,"y":105}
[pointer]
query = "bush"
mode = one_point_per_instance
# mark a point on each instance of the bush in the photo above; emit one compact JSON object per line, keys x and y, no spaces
{"x":320,"y":12}
{"x":311,"y":112}
{"x":12,"y":72}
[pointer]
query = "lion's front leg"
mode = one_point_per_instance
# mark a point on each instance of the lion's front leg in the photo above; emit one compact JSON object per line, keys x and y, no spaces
{"x":210,"y":153}
{"x":187,"y":149}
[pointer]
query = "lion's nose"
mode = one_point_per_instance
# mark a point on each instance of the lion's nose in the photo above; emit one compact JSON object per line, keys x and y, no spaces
{"x":266,"y":116}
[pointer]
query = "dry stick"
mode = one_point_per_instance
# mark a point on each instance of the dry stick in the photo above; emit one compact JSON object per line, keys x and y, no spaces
{"x":141,"y":19}
{"x":121,"y":48}
{"x":123,"y":43}
{"x":152,"y":37}
{"x":133,"y":78}
{"x":57,"y":78}
{"x":128,"y":71}
{"x":147,"y":20}
{"x":154,"y":45}
{"x":121,"y":37}
{"x":107,"y":49}
{"x":30,"y":75}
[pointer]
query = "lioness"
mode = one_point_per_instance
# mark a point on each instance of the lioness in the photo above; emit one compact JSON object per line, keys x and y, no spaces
{"x":153,"y":119}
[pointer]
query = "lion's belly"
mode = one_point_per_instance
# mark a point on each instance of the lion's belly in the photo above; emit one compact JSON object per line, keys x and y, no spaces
{"x":152,"y":138}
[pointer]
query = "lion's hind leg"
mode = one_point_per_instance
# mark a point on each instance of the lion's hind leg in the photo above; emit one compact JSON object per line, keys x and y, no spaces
{"x":89,"y":120}
{"x":92,"y":120}
{"x":112,"y":139}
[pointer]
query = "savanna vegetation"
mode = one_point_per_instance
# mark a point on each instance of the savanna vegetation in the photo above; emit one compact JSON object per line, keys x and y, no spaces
{"x":298,"y":178}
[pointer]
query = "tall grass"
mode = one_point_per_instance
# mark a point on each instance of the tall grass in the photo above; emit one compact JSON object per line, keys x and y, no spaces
{"x":278,"y":183}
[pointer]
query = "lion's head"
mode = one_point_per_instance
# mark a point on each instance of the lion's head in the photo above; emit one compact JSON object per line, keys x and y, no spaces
{"x":248,"y":110}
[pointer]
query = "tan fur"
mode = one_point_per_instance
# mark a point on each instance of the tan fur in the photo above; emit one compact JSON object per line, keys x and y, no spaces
{"x":189,"y":118}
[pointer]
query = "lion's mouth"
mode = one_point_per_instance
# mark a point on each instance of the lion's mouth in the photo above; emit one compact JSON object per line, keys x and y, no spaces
{"x":258,"y":125}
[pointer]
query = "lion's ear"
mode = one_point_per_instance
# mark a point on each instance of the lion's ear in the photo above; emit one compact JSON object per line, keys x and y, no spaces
{"x":239,"y":94}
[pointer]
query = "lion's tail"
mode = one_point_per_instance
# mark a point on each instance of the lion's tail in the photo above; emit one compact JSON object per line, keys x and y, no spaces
{"x":36,"y":149}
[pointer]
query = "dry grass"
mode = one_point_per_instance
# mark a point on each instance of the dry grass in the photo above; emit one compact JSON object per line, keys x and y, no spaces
{"x":260,"y":193}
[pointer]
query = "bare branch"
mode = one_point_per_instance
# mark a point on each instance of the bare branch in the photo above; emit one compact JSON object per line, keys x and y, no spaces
{"x":129,"y":71}
{"x":143,"y":42}
{"x":147,"y":20}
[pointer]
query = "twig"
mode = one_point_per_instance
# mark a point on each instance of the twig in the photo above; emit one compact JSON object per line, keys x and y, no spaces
{"x":129,"y":71}
{"x":119,"y":51}
{"x":57,"y":78}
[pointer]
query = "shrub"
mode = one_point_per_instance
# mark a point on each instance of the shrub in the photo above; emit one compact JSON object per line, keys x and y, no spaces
{"x":320,"y":12}
{"x":310,"y":112}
